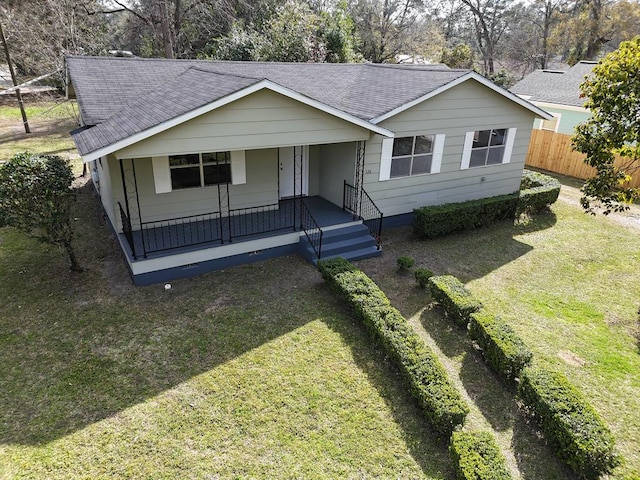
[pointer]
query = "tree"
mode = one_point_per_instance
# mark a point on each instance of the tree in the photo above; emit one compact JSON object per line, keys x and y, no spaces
{"x":613,"y":97}
{"x":36,"y":198}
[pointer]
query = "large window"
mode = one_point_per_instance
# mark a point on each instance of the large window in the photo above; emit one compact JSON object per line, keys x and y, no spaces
{"x":411,"y":156}
{"x":487,"y":147}
{"x":199,"y":169}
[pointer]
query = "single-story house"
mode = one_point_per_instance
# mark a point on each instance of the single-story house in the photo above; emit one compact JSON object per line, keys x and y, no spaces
{"x":557,"y":92}
{"x":202,"y":165}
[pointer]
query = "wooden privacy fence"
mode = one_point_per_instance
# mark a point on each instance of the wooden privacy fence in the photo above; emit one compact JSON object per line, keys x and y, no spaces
{"x":552,"y":152}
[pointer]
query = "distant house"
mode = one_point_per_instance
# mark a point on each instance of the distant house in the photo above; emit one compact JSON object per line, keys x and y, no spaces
{"x":201,"y":165}
{"x":557,"y":92}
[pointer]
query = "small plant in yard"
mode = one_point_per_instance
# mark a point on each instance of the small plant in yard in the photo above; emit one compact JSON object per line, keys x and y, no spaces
{"x":405,"y":263}
{"x":422,"y":276}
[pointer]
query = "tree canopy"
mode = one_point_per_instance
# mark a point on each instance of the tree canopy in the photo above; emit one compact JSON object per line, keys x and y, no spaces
{"x":613,"y":97}
{"x":35,"y":198}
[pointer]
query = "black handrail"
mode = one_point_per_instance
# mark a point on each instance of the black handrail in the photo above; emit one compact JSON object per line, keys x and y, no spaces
{"x":361,"y":206}
{"x":311,"y":228}
{"x":161,"y":235}
{"x":262,"y":219}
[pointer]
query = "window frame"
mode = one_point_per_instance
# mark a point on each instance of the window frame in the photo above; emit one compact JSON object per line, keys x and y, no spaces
{"x":412,"y":156}
{"x":472,"y":136}
{"x":386,"y":155}
{"x":202,"y":163}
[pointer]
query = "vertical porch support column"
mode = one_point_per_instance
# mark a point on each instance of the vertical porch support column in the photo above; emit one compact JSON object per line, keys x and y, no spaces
{"x":298,"y":174}
{"x":359,"y":177}
{"x":130,"y":192}
{"x":224,"y":210}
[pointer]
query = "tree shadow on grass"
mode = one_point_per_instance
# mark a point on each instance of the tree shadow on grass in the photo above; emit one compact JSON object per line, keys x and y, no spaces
{"x":427,"y":448}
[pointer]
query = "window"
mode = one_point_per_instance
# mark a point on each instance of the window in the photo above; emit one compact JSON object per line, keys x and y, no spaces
{"x":407,"y":156}
{"x":488,"y":147}
{"x":199,"y":169}
{"x":411,"y":156}
{"x":551,"y":124}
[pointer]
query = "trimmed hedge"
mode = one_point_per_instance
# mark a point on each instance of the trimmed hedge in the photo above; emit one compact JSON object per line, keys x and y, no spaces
{"x":425,"y":375}
{"x":457,"y":301}
{"x":476,"y":456}
{"x":422,"y":276}
{"x":569,"y":422}
{"x":434,"y":221}
{"x":537,"y":192}
{"x":502,"y":349}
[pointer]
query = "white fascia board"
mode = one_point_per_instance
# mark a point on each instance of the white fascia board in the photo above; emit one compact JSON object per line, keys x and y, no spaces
{"x":261,"y":85}
{"x":471,"y":75}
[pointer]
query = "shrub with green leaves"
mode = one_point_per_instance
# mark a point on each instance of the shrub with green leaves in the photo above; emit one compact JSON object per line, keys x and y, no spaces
{"x":405,"y":263}
{"x":457,"y":301}
{"x":576,"y":431}
{"x":537,"y":192}
{"x":438,"y":220}
{"x":422,"y":276}
{"x":503,"y":350}
{"x":422,"y":370}
{"x":476,"y":456}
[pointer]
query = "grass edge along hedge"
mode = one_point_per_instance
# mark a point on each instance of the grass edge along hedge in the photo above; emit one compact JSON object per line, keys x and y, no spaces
{"x":570,"y":424}
{"x":502,"y":348}
{"x":537,"y":192}
{"x":457,"y":301}
{"x":427,"y":379}
{"x":476,"y":456}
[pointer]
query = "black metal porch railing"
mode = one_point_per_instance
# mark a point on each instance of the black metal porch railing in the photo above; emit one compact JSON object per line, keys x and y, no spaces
{"x":361,"y":206}
{"x":126,"y":230}
{"x":311,"y":228}
{"x":263,"y":219}
{"x":180,"y":232}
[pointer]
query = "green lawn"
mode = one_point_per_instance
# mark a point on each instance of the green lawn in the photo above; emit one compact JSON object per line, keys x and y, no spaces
{"x":569,"y":284}
{"x":252,"y":372}
{"x":50,"y":123}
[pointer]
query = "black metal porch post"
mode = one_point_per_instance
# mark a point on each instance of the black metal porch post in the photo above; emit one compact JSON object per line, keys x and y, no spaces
{"x":126,"y":205}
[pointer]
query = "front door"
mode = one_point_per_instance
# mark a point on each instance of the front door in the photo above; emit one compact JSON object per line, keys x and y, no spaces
{"x":293,"y":171}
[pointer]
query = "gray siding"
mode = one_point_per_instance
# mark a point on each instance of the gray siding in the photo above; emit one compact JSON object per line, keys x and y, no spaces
{"x":466,"y":107}
{"x":261,"y":189}
{"x":261,"y":120}
{"x":337,"y":165}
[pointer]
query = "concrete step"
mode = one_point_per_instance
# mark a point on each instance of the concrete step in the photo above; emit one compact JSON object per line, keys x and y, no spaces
{"x":353,"y":243}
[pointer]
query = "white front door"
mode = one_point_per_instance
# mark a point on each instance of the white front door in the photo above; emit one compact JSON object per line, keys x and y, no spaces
{"x":294,"y":169}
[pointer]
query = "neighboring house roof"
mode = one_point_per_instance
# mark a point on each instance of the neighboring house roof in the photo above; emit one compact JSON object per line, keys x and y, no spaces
{"x":555,"y":86}
{"x":125,"y":100}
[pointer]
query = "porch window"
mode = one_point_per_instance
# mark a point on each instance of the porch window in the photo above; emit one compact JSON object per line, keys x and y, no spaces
{"x":199,"y":169}
{"x":488,"y":147}
{"x":411,"y":156}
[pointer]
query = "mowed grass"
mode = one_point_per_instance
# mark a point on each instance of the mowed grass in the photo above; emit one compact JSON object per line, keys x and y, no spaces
{"x":569,"y":284}
{"x":50,"y":122}
{"x":251,"y":372}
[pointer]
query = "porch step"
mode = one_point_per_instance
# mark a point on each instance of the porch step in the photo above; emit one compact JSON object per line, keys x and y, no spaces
{"x":353,"y":243}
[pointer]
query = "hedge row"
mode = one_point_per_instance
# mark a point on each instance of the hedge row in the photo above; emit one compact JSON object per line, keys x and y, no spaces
{"x":438,"y":220}
{"x":569,"y":422}
{"x":502,"y":349}
{"x":457,"y":301}
{"x":425,"y":375}
{"x":537,"y":192}
{"x":477,"y":457}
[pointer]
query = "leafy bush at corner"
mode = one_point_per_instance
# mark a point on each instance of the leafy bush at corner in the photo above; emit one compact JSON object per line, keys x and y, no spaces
{"x":569,"y":422}
{"x":434,"y":221}
{"x":422,"y":276}
{"x":476,"y":456}
{"x":503,"y":350}
{"x":425,"y":375}
{"x":537,"y":192}
{"x":457,"y":301}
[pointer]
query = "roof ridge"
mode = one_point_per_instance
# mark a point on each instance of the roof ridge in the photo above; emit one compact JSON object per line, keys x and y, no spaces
{"x":224,"y":74}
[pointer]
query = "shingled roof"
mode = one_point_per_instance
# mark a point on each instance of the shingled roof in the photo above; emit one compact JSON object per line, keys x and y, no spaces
{"x":121,"y":98}
{"x":555,"y":86}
